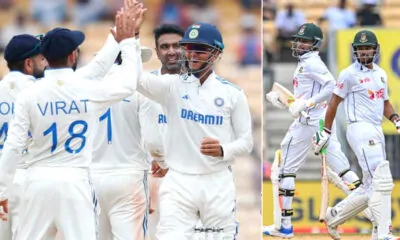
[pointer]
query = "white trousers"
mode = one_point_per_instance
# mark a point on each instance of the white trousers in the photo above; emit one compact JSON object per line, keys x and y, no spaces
{"x":185,"y":199}
{"x":154,"y":218}
{"x":60,"y":199}
{"x":297,"y":143}
{"x":9,"y":228}
{"x":368,"y":144}
{"x":123,"y":199}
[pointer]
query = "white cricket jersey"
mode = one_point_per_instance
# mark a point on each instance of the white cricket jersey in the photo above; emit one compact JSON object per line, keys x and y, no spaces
{"x":11,"y":85}
{"x":125,"y":130}
{"x":364,"y":92}
{"x":161,"y":117}
{"x":312,"y":80}
{"x":217,"y":109}
{"x":61,"y":111}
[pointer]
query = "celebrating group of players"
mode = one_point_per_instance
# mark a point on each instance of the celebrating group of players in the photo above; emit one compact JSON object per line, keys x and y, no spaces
{"x":76,"y":144}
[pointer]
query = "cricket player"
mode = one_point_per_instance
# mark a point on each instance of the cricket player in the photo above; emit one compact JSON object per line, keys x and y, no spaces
{"x":363,"y":88}
{"x":209,"y":124}
{"x":26,"y":65}
{"x":61,"y":112}
{"x":313,"y":85}
{"x":120,"y":166}
{"x":167,"y":37}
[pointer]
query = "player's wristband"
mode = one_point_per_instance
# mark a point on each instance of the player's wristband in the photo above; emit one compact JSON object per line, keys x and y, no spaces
{"x":392,"y":116}
{"x":327,"y":130}
{"x":222,"y":150}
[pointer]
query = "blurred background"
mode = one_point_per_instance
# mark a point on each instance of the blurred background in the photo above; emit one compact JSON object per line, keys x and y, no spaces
{"x":239,"y":21}
{"x":340,"y":20}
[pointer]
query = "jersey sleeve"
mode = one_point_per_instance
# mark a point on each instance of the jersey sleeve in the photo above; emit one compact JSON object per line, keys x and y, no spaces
{"x":241,"y":124}
{"x":15,"y":145}
{"x":386,"y":87}
{"x":123,"y":82}
{"x":156,"y":87}
{"x":102,"y":62}
{"x":320,"y":74}
{"x":343,"y":85}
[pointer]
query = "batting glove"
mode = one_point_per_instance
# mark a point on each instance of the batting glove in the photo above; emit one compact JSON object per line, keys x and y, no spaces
{"x":320,"y":140}
{"x":273,"y":97}
{"x":397,"y":124}
{"x":300,"y":105}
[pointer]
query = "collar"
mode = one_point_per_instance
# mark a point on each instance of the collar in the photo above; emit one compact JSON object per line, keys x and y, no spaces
{"x":308,"y":55}
{"x":363,"y":68}
{"x":56,"y":72}
{"x":20,"y":75}
{"x":193,"y":78}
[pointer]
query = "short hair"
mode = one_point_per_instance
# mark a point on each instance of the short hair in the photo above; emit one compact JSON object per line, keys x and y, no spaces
{"x":167,"y":29}
{"x":16,"y":66}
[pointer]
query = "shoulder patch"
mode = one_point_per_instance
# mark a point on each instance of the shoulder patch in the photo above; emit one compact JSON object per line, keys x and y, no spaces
{"x":224,"y":81}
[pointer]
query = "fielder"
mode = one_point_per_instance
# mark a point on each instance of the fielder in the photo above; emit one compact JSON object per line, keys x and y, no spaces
{"x":209,"y":124}
{"x":167,"y":37}
{"x":120,"y":167}
{"x":61,"y":112}
{"x":363,"y":88}
{"x":26,"y":65}
{"x":313,"y":85}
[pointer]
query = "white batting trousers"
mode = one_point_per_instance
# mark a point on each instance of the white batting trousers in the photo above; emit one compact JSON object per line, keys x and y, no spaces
{"x":61,"y":199}
{"x":123,"y":199}
{"x":297,"y":144}
{"x":185,"y":199}
{"x":368,"y":144}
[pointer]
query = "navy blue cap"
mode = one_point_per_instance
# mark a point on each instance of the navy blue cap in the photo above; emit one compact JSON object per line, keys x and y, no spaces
{"x":203,"y":33}
{"x":21,"y":47}
{"x":60,"y":42}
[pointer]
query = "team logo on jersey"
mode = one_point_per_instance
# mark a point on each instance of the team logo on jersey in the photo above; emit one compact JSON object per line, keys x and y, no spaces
{"x":301,"y":70}
{"x":186,"y":97}
{"x":219,"y":102}
{"x":340,"y":85}
{"x":363,"y":38}
{"x":365,"y":80}
{"x":301,"y":30}
{"x":376,"y":94}
{"x":193,"y":33}
{"x":383,"y":80}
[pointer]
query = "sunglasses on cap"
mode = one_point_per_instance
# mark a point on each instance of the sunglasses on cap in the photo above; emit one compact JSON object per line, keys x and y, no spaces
{"x":197,"y":47}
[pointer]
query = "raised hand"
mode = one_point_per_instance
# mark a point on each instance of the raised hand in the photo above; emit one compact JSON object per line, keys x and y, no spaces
{"x":133,"y":6}
{"x":124,"y":23}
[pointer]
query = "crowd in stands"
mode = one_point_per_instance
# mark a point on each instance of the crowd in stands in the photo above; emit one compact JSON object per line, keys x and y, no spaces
{"x":49,"y":13}
{"x":338,"y":16}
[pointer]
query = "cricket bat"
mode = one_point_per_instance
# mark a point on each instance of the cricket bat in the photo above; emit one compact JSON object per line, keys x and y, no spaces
{"x":324,"y":181}
{"x":286,"y":97}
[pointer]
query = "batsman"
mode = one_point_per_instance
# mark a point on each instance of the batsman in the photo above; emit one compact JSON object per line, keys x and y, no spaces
{"x":313,"y":85}
{"x":363,"y":88}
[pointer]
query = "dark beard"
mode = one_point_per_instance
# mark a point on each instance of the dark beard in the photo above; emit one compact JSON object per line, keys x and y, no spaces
{"x":38,"y":73}
{"x":75,"y":65}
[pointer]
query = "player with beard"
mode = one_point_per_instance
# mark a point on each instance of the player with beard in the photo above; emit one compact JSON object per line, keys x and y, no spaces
{"x":313,"y":85}
{"x":26,"y":65}
{"x":167,"y":37}
{"x":61,"y":112}
{"x":209,"y":124}
{"x":363,"y":88}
